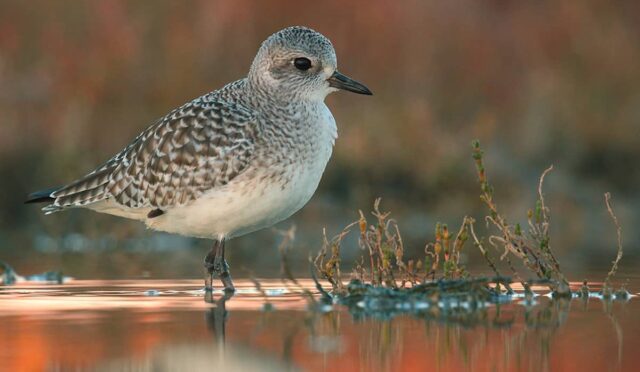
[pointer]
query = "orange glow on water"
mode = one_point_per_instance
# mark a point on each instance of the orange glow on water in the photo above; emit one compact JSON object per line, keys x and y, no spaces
{"x":114,"y":325}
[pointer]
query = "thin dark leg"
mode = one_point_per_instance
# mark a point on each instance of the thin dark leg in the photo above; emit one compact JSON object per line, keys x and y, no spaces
{"x":215,"y":263}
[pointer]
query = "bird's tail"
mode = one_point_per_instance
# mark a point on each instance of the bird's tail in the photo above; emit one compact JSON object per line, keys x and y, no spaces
{"x":86,"y":190}
{"x":42,"y":196}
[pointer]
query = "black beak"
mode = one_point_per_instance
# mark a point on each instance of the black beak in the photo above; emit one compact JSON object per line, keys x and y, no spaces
{"x":340,"y":81}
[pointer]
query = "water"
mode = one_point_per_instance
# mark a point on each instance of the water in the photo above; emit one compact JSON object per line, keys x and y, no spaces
{"x":165,"y":325}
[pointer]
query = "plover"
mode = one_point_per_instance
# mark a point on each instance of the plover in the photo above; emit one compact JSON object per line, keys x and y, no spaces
{"x":232,"y":161}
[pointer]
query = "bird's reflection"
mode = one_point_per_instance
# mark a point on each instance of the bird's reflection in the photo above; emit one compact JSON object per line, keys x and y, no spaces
{"x":217,"y":315}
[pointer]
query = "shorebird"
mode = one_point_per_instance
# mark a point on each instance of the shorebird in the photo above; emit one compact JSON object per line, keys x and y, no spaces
{"x":230,"y":162}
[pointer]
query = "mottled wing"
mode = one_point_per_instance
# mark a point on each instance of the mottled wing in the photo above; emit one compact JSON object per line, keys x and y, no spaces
{"x":201,"y":145}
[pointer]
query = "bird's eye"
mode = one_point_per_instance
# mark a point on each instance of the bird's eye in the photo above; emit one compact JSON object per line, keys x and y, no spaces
{"x":302,"y":63}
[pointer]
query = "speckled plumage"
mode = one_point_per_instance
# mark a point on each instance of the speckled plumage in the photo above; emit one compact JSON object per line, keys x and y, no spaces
{"x":197,"y":147}
{"x":232,"y":161}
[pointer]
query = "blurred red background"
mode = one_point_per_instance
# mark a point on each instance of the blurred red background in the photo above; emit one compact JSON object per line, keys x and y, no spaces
{"x":538,"y":83}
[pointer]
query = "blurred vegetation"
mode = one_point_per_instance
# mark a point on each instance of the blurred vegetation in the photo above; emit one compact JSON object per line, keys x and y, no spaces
{"x":538,"y":83}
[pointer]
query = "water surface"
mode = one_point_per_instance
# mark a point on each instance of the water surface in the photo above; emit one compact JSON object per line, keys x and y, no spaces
{"x":165,"y":325}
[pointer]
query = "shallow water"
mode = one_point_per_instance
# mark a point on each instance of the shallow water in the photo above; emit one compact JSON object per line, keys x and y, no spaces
{"x":165,"y":325}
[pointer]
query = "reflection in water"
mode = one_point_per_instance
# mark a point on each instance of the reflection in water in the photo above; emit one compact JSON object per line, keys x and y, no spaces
{"x":197,"y":357}
{"x":217,"y":316}
{"x":156,"y":325}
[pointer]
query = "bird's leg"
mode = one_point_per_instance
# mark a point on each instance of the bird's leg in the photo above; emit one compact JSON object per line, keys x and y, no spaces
{"x":216,"y":264}
{"x":222,"y":270}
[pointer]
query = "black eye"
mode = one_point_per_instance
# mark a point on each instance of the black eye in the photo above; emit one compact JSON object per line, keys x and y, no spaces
{"x":302,"y":63}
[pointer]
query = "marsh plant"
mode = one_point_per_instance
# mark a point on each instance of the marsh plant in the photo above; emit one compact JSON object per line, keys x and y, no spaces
{"x":384,"y":270}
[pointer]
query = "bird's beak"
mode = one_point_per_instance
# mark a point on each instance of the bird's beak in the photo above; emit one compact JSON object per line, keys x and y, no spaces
{"x":340,"y":81}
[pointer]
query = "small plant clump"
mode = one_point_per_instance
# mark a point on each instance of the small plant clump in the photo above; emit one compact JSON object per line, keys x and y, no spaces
{"x":8,"y":276}
{"x":386,"y":278}
{"x":533,"y":247}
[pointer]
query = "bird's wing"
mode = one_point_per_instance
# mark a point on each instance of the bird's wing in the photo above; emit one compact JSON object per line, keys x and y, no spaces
{"x":197,"y":147}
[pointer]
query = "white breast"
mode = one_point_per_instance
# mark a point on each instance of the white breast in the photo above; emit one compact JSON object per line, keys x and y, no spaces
{"x":251,"y":203}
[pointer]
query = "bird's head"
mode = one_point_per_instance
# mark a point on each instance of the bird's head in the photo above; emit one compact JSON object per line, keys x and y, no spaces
{"x":300,"y":62}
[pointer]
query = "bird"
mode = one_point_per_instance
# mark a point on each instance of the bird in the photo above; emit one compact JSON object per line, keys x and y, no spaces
{"x":230,"y":162}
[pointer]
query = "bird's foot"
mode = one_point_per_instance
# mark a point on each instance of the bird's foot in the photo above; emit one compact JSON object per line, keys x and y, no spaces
{"x":220,"y":268}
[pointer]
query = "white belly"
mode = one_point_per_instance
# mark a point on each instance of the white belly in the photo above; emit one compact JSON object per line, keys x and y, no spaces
{"x":239,"y":208}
